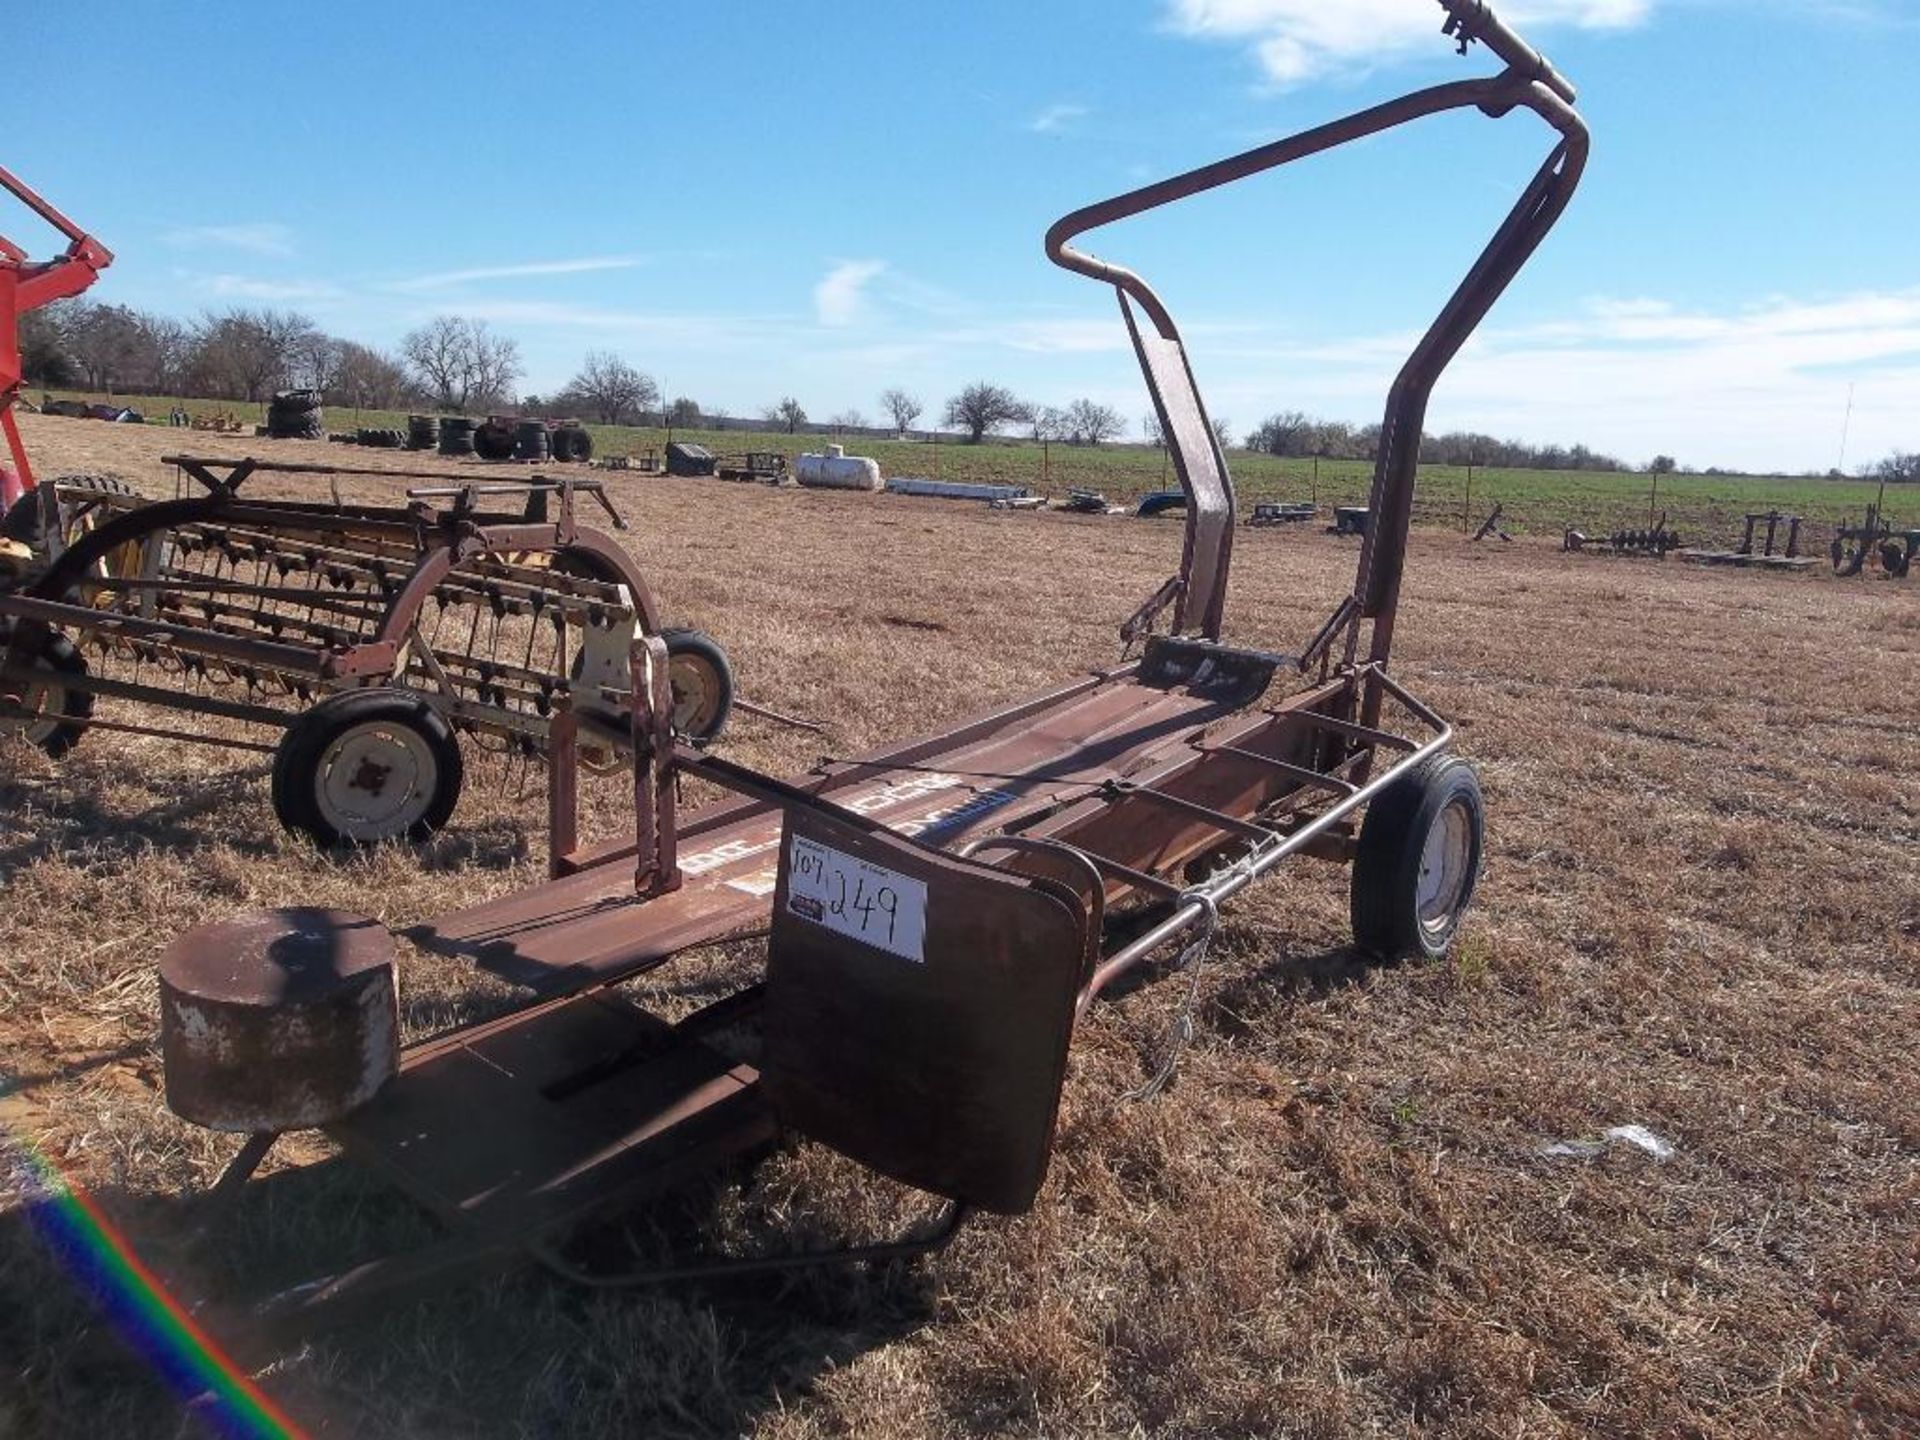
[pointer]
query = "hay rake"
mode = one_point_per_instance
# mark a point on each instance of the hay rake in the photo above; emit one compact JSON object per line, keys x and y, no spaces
{"x":939,"y":914}
{"x":372,"y":636}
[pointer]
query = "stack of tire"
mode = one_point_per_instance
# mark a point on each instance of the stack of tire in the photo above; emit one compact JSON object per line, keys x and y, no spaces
{"x":571,"y":442}
{"x":530,"y":441}
{"x":381,"y":439}
{"x":493,"y":440}
{"x":423,"y":432}
{"x":295,"y":415}
{"x":456,"y":435}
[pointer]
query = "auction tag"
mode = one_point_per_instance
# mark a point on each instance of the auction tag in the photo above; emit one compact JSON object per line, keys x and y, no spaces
{"x":868,"y":903}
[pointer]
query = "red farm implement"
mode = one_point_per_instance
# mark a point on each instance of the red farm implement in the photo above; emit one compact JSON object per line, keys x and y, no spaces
{"x":939,"y":914}
{"x":27,"y":285}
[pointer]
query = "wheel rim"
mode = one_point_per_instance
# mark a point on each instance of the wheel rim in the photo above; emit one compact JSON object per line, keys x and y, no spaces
{"x":696,"y":694}
{"x":45,"y":702}
{"x":1446,"y":867}
{"x":376,"y":781}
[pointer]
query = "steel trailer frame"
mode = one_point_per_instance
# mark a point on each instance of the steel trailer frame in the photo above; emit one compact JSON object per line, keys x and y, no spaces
{"x":1119,"y":811}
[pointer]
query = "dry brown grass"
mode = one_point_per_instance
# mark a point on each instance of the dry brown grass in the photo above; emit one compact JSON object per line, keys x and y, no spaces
{"x":1701,"y":912}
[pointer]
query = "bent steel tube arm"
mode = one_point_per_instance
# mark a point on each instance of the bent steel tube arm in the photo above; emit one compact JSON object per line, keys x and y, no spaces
{"x":1531,"y":83}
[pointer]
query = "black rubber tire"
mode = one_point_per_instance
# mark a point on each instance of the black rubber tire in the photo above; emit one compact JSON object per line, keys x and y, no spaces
{"x":24,"y":523}
{"x":293,"y":401}
{"x":688,"y":647}
{"x":302,"y":751}
{"x":1387,"y":865}
{"x":301,"y":425}
{"x":59,"y":655}
{"x":572,"y":444}
{"x":531,"y":441}
{"x":456,"y":436}
{"x":493,"y":442}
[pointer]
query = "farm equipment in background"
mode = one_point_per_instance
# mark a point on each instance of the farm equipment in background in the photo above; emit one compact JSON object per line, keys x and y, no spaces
{"x":1777,"y":552}
{"x":939,"y":913}
{"x":372,"y":636}
{"x":27,"y":285}
{"x":1282,"y":512}
{"x":767,"y":467}
{"x":1875,"y":537}
{"x":1657,"y":542}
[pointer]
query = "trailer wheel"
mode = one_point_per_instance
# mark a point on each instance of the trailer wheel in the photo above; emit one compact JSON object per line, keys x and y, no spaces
{"x":365,"y":766}
{"x":56,"y":715}
{"x":702,"y":684}
{"x":1417,"y":861}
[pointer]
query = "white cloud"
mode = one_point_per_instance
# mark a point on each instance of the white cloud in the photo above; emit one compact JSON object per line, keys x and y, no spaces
{"x":446,"y":278}
{"x":1762,"y":386}
{"x":840,"y":298}
{"x":273,"y":292}
{"x":1296,"y":40}
{"x":1055,"y":117}
{"x":256,"y":238}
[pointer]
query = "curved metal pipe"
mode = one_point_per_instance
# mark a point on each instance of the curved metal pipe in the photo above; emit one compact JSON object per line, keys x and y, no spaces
{"x":1531,"y":83}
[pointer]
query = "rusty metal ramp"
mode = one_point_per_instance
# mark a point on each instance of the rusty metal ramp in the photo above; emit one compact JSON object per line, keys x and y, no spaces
{"x":590,"y":928}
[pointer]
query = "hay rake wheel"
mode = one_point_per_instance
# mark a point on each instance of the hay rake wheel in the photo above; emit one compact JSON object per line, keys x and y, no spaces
{"x":277,"y":613}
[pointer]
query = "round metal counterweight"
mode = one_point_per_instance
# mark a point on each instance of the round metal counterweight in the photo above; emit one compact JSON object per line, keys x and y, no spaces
{"x":278,"y":1019}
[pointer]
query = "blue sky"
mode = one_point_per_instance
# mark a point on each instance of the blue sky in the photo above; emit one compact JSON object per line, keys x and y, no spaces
{"x":756,"y":199}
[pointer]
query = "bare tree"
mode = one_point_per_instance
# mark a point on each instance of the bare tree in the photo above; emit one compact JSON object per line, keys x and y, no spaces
{"x":983,"y":407}
{"x":683,"y":412}
{"x":462,"y":363}
{"x":1046,"y":423}
{"x":788,"y":413}
{"x":368,"y":380}
{"x":849,"y":419}
{"x":1089,"y":422}
{"x":106,"y":341}
{"x":244,"y":354}
{"x":44,"y":337}
{"x":902,"y":408}
{"x":496,"y":365}
{"x":1222,"y":431}
{"x":611,"y":388}
{"x":441,"y":354}
{"x":1289,"y":433}
{"x":316,"y":360}
{"x":1151,"y":430}
{"x":1899,"y":469}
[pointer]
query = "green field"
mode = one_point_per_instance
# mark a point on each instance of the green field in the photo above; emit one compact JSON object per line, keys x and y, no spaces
{"x":1705,"y":509}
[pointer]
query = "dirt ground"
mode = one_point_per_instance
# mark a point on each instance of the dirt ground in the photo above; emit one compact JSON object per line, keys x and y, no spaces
{"x":1700,"y":914}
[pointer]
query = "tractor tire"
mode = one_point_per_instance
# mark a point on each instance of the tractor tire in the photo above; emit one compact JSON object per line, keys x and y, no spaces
{"x":573,"y":444}
{"x":702,"y":682}
{"x":1418,"y":860}
{"x":531,"y":441}
{"x":493,"y":442}
{"x":58,"y":714}
{"x":25,"y":522}
{"x":456,"y":436}
{"x":334,"y":766}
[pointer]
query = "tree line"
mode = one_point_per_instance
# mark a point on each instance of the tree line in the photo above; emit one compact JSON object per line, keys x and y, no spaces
{"x":458,"y":364}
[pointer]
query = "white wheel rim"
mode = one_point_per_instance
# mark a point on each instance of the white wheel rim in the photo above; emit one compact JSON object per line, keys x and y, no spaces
{"x":46,"y":702}
{"x":690,"y":681}
{"x":1446,"y":861}
{"x":376,"y":781}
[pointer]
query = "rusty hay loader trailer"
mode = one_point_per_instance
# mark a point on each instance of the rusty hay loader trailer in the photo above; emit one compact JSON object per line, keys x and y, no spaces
{"x":940,"y":914}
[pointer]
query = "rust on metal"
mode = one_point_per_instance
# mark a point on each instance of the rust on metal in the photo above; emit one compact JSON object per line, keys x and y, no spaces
{"x":942,"y":910}
{"x":278,"y":1019}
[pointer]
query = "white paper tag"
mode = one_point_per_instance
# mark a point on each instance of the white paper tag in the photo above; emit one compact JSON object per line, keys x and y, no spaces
{"x":868,"y":903}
